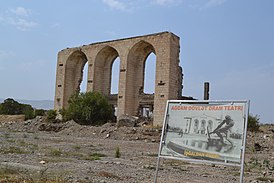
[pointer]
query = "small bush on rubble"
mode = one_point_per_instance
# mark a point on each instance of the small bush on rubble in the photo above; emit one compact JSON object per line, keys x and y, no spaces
{"x":117,"y":152}
{"x":89,"y":108}
{"x":51,"y":115}
{"x":253,"y":123}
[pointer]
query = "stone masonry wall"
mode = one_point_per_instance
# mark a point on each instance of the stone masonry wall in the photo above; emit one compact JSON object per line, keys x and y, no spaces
{"x":132,"y":53}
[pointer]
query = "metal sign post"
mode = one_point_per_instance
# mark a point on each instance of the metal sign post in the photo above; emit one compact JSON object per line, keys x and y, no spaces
{"x":161,"y":142}
{"x":244,"y":144}
{"x":205,"y":132}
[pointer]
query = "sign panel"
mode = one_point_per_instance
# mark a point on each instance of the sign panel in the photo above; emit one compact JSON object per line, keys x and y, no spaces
{"x":212,"y":131}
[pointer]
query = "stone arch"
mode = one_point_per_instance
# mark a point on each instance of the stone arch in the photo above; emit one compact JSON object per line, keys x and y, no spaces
{"x":103,"y":68}
{"x":135,"y":74}
{"x":133,"y":53}
{"x":73,"y":74}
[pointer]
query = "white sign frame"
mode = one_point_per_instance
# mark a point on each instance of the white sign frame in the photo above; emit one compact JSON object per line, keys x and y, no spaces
{"x":214,"y":108}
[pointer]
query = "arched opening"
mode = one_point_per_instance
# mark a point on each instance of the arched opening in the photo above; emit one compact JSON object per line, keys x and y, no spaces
{"x":137,"y":101}
{"x":149,"y":74}
{"x":114,"y":86}
{"x":107,"y":72}
{"x":102,"y":68}
{"x":73,"y":74}
{"x":83,"y":85}
{"x":115,"y":71}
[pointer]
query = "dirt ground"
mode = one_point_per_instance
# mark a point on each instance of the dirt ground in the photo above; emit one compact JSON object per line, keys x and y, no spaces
{"x":34,"y":151}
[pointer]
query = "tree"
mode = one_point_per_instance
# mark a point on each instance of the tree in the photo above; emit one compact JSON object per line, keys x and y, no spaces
{"x":253,"y":123}
{"x":89,"y":108}
{"x":12,"y":107}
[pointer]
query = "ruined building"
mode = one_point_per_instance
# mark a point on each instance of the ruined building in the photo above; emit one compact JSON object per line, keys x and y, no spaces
{"x":133,"y":53}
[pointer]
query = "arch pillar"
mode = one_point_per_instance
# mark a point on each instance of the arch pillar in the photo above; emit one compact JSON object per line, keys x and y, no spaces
{"x":69,"y":76}
{"x":121,"y":102}
{"x":167,"y":84}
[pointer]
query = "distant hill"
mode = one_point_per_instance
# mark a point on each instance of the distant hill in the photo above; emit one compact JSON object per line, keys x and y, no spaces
{"x":38,"y":104}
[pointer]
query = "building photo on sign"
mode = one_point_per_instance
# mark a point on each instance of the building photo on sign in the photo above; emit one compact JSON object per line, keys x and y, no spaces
{"x":211,"y":132}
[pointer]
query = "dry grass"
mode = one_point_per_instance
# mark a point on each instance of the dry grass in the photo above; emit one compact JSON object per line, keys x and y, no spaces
{"x":94,"y":156}
{"x":17,"y":118}
{"x":12,"y":150}
{"x":8,"y":175}
{"x":108,"y":175}
{"x":55,"y":152}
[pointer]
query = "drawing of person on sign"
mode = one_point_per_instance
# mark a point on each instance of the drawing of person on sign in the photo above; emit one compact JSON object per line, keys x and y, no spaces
{"x":223,"y":128}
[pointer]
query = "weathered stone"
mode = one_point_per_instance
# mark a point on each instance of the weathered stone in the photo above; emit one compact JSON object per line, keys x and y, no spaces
{"x":42,"y":162}
{"x":102,"y":130}
{"x":50,"y":127}
{"x":126,"y":120}
{"x":133,"y":53}
{"x":257,"y":147}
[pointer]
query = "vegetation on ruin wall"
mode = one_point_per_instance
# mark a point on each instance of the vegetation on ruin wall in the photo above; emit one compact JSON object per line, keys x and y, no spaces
{"x":12,"y":107}
{"x":89,"y":108}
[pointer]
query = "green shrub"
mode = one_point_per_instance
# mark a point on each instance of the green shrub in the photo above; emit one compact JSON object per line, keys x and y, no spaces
{"x":28,"y":111}
{"x":89,"y":108}
{"x":65,"y":115}
{"x":51,"y":115}
{"x":94,"y":156}
{"x":12,"y":150}
{"x":253,"y":123}
{"x":55,"y":152}
{"x":40,"y":112}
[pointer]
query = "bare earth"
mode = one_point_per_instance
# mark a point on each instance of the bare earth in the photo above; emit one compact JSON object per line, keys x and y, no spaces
{"x":34,"y":151}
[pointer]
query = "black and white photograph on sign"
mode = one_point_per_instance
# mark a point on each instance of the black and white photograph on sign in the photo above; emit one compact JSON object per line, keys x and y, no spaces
{"x":204,"y":131}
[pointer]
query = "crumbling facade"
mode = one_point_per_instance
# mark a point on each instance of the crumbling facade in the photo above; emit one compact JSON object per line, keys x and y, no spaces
{"x":133,"y":53}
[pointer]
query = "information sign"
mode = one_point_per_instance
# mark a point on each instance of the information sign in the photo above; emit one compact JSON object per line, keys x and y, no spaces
{"x":205,"y":131}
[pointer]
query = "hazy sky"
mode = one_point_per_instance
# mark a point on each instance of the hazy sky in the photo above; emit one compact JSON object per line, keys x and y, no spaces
{"x":229,"y":43}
